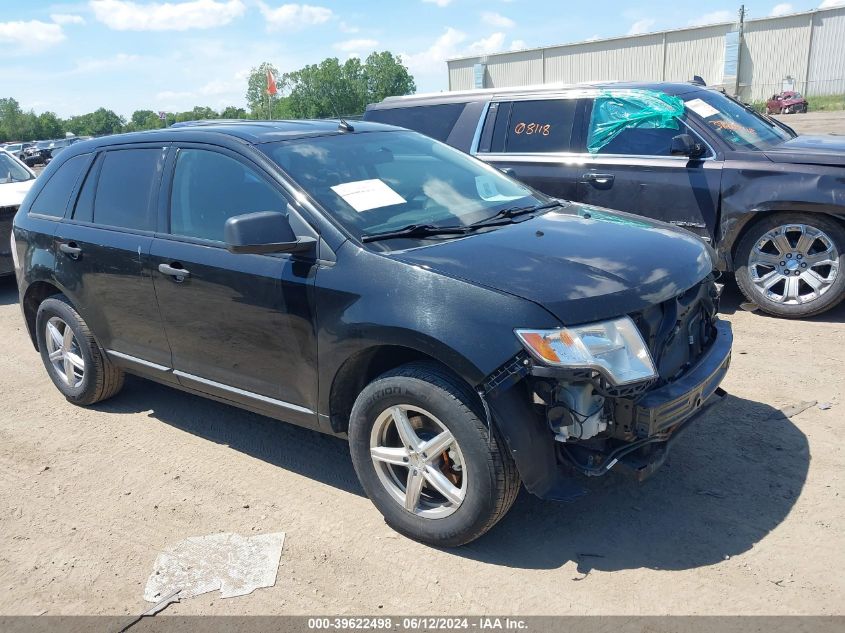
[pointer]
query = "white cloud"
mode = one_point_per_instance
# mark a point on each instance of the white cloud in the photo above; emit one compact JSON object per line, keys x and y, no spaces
{"x":291,"y":17}
{"x":714,"y":17}
{"x":829,"y":4}
{"x":491,"y":44}
{"x":345,"y":27}
{"x":439,"y":3}
{"x":429,"y":65}
{"x":348,"y":46}
{"x":497,"y":20}
{"x":641,"y":26}
{"x":30,"y":37}
{"x":67,"y":18}
{"x":125,"y":15}
{"x":518,"y":45}
{"x":783,"y":8}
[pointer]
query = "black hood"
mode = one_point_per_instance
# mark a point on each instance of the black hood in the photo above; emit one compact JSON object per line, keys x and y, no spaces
{"x":580,"y":269}
{"x":810,"y":150}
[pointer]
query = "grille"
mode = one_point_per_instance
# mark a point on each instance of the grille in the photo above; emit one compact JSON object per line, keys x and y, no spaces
{"x":678,"y":331}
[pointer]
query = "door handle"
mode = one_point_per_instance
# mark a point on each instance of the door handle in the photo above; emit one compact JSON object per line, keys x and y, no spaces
{"x":599,"y":179}
{"x":176,"y":271}
{"x":70,"y":249}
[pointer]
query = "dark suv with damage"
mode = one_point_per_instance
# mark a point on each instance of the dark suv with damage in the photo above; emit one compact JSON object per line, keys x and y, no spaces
{"x":771,"y":202}
{"x":464,"y":331}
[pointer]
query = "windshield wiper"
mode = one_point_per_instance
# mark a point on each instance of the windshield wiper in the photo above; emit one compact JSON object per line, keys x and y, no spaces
{"x":512,"y":212}
{"x":416,"y":230}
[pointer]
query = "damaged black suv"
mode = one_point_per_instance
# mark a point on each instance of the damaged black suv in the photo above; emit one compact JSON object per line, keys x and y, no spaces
{"x":464,"y":331}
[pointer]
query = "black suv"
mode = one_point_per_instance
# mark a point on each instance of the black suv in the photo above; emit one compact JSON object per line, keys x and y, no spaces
{"x":466,"y":332}
{"x":771,"y":202}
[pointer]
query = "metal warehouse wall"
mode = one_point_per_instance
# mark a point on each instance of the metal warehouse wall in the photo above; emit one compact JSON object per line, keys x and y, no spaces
{"x":809,"y":47}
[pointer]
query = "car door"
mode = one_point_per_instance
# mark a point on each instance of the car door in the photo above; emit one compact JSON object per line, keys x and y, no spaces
{"x":103,"y":254}
{"x":532,"y":140}
{"x":635,"y":172}
{"x":240,"y":326}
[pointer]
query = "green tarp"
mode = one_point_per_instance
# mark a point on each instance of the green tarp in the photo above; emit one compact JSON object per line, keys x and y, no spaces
{"x":614,"y":112}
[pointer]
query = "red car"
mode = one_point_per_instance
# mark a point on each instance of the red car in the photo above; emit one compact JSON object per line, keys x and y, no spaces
{"x":786,"y":102}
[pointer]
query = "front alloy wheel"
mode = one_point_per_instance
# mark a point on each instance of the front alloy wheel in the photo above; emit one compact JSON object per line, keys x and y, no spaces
{"x":418,"y":461}
{"x":792,"y":265}
{"x":426,"y":457}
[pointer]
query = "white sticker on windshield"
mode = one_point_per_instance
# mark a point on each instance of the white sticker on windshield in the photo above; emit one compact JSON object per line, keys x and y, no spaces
{"x":363,"y":195}
{"x":702,"y":108}
{"x":489,"y":192}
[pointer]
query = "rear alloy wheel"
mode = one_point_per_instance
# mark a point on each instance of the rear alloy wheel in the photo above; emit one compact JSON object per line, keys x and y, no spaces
{"x":791,"y":265}
{"x":427,"y":459}
{"x":73,"y":359}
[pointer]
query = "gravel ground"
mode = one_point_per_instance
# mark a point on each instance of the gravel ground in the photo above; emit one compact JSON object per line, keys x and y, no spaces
{"x":747,"y":517}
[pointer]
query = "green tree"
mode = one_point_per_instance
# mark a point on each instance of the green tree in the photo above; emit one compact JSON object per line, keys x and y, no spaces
{"x":327,"y":89}
{"x":49,"y":126}
{"x":232,"y":112}
{"x":386,"y":76}
{"x":143,"y":120}
{"x":11,"y":120}
{"x":256,"y":90}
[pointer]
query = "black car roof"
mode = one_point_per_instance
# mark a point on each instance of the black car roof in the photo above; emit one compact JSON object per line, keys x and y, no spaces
{"x":252,"y":132}
{"x":466,"y":96}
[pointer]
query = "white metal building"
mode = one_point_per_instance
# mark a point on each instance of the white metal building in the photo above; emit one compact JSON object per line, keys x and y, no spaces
{"x":803,"y":51}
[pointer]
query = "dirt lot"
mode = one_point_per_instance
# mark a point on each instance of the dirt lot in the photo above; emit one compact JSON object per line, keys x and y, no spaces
{"x":748,"y":516}
{"x":816,"y":122}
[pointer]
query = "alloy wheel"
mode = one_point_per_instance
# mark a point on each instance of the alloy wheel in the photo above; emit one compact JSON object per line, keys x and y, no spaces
{"x":794,"y":264}
{"x":418,"y":461}
{"x":64,"y":353}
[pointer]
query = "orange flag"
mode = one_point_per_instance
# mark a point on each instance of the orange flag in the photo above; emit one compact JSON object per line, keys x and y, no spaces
{"x":271,"y":84}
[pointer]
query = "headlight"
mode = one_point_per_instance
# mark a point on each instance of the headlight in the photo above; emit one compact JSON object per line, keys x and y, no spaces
{"x":615,"y":348}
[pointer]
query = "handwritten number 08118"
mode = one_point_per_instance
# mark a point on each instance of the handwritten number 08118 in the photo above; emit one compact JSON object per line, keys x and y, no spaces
{"x":533,"y":128}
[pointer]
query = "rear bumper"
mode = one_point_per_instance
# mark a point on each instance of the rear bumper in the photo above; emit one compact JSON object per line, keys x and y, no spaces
{"x":657,"y":419}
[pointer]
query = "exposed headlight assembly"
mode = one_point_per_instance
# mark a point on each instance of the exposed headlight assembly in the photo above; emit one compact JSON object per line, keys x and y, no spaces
{"x":615,"y":348}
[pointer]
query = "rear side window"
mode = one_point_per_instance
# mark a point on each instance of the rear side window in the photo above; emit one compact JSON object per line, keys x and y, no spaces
{"x":53,"y":198}
{"x":435,"y":121}
{"x":125,"y":187}
{"x":209,"y":188}
{"x":531,"y":127}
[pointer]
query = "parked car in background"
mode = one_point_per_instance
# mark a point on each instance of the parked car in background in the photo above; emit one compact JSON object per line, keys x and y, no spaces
{"x":16,"y":179}
{"x":463,"y":330}
{"x":56,"y":146}
{"x":771,"y":202}
{"x":787,"y":102}
{"x":18,"y":150}
{"x":38,"y":154}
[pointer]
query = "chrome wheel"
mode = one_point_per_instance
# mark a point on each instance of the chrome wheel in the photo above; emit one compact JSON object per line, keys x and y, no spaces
{"x":793,"y":264}
{"x":418,"y":461}
{"x":63,"y":352}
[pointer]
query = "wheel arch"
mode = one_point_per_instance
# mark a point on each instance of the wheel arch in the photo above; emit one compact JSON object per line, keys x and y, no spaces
{"x":362,"y":367}
{"x":35,"y":294}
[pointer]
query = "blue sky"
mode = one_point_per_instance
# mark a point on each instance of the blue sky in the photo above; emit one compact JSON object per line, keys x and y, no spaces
{"x":71,"y":57}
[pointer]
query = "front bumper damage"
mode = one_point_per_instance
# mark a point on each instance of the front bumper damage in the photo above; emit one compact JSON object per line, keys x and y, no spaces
{"x":643,"y":425}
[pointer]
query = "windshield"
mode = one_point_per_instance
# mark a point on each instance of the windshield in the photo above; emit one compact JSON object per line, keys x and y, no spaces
{"x":738,"y":126}
{"x":374,"y":182}
{"x":11,"y":170}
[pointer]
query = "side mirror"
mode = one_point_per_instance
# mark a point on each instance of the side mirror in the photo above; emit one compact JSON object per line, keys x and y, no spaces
{"x":685,"y":145}
{"x":263,"y":232}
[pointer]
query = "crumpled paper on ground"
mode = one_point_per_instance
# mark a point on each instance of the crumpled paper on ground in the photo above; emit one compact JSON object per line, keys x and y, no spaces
{"x":234,"y":564}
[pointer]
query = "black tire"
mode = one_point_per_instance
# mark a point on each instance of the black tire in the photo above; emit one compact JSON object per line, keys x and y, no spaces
{"x":492,"y":479}
{"x":829,"y":299}
{"x":101,"y":379}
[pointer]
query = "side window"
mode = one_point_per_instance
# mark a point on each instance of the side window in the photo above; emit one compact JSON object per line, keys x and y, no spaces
{"x":641,"y":142}
{"x":84,"y":210}
{"x":540,"y":126}
{"x":435,"y":121}
{"x":125,"y":187}
{"x":209,"y":188}
{"x":53,"y":198}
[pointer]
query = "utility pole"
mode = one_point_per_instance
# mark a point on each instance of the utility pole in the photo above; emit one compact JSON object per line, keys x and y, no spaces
{"x":742,"y":14}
